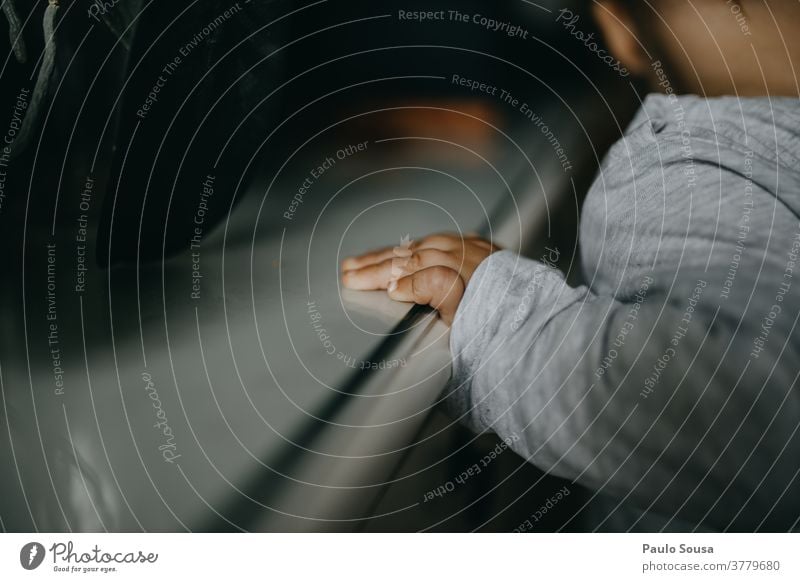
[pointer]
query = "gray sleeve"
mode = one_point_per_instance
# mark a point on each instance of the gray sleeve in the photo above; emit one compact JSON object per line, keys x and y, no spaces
{"x":628,"y":397}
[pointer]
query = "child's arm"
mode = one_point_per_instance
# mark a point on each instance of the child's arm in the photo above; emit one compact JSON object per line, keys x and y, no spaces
{"x":615,"y":394}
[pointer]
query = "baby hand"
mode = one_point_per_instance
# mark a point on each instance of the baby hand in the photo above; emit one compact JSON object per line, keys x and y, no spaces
{"x":434,"y":271}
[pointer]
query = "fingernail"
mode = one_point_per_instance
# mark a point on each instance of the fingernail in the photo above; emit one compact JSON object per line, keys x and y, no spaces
{"x":392,"y":285}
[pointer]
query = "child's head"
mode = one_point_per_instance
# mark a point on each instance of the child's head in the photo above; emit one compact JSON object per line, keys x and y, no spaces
{"x":708,"y":47}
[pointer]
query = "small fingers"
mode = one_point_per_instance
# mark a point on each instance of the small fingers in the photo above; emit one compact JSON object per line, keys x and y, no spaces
{"x":376,"y":270}
{"x":441,"y":241}
{"x":371,"y":277}
{"x":379,"y":275}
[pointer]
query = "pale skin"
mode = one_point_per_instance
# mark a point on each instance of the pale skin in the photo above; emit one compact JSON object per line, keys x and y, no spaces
{"x":434,"y":271}
{"x":708,"y":47}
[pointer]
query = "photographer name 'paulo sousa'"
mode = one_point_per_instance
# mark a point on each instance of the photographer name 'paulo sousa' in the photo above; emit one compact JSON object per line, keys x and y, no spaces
{"x":681,"y":549}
